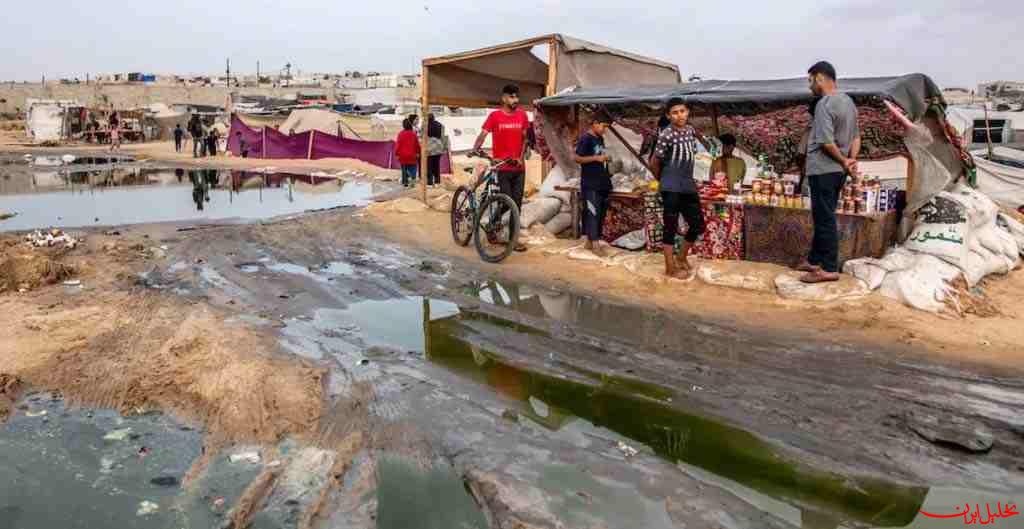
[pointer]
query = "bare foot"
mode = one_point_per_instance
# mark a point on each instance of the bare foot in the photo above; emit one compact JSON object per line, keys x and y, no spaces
{"x":819,"y":277}
{"x":684,"y":264}
{"x":807,"y":267}
{"x":598,"y":250}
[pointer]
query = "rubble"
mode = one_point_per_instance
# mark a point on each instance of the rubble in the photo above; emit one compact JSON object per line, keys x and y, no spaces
{"x":52,"y":237}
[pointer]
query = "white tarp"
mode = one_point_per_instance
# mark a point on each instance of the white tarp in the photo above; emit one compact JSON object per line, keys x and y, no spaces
{"x":1002,"y":182}
{"x":45,"y":119}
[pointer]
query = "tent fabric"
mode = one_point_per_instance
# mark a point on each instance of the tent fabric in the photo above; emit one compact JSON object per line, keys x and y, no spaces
{"x":284,"y":146}
{"x":297,"y":146}
{"x":253,"y":138}
{"x":1002,"y":182}
{"x":479,"y":76}
{"x":304,"y":120}
{"x":768,"y":117}
{"x":913,"y":93}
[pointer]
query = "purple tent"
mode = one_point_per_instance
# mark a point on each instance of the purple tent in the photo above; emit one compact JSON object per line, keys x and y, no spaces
{"x":379,"y":153}
{"x":253,"y":139}
{"x":285,"y":146}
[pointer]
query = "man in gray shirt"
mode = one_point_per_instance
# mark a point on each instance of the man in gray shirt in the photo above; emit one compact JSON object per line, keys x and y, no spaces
{"x":832,"y":152}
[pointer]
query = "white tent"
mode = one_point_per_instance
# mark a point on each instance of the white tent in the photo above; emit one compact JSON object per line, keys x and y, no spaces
{"x":45,"y":119}
{"x":1002,"y":182}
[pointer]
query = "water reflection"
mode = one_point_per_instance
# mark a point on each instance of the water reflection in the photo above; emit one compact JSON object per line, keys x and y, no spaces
{"x":127,"y":195}
{"x":823,"y":499}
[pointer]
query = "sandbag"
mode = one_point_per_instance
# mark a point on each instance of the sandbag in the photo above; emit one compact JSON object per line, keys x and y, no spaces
{"x":559,"y":223}
{"x":633,"y":240}
{"x":539,"y":211}
{"x":1014,"y":228}
{"x":924,"y":285}
{"x":942,"y":229}
{"x":556,"y":177}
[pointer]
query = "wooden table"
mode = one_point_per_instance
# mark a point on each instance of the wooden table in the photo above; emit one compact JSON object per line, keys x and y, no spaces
{"x":577,"y":212}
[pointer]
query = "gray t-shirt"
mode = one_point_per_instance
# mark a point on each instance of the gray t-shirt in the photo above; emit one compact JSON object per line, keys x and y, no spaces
{"x":676,"y":149}
{"x":835,"y":122}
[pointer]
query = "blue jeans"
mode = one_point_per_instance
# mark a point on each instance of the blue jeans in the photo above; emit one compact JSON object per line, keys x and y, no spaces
{"x":408,"y":174}
{"x":825,"y":189}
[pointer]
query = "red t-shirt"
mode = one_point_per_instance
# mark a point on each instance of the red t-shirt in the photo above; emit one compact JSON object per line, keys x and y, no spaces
{"x":407,"y":147}
{"x":508,"y":131}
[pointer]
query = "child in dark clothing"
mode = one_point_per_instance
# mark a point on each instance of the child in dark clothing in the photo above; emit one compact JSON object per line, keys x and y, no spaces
{"x":595,"y":181}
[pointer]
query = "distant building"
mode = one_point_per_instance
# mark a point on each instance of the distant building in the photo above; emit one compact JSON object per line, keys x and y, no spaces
{"x":391,"y":80}
{"x":958,"y":96}
{"x":1004,"y":90}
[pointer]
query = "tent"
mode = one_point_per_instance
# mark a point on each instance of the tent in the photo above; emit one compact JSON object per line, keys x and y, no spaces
{"x":475,"y":78}
{"x":45,"y":120}
{"x":304,"y":120}
{"x":768,"y":117}
{"x":1002,"y":179}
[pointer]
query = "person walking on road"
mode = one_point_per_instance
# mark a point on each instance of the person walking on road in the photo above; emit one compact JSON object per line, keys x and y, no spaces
{"x":509,"y":126}
{"x":832,"y":150}
{"x":179,"y":137}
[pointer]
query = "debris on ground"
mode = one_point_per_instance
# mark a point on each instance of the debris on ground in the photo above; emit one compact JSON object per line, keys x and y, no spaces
{"x":39,"y":413}
{"x":117,"y":435}
{"x":112,"y":233}
{"x":510,"y":415}
{"x":73,"y":283}
{"x":52,"y":237}
{"x":146,"y":508}
{"x":954,"y":431}
{"x":24,"y":270}
{"x":165,"y":481}
{"x":627,"y":450}
{"x":248,"y":457}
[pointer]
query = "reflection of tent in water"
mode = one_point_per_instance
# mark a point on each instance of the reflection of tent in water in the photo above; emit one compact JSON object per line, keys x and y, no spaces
{"x":821,"y":498}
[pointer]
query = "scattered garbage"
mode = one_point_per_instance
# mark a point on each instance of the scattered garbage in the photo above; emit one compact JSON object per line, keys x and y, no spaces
{"x":73,"y":283}
{"x":165,"y":481}
{"x":248,"y":457}
{"x":117,"y":435}
{"x":157,"y":253}
{"x":627,"y":450}
{"x":39,"y":413}
{"x":52,"y":237}
{"x":146,"y":508}
{"x":218,"y":503}
{"x":112,"y":233}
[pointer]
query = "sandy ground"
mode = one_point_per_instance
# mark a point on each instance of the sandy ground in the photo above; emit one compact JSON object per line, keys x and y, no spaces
{"x":110,"y":343}
{"x":873,"y":321}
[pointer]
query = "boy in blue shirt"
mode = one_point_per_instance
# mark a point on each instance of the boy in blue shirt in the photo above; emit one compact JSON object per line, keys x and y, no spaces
{"x":595,"y":181}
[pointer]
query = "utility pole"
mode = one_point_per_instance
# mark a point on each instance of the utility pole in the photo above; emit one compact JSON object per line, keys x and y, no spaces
{"x":228,"y":72}
{"x":257,"y":73}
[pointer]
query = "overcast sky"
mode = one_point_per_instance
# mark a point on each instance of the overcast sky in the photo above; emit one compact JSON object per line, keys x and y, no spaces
{"x":958,"y":43}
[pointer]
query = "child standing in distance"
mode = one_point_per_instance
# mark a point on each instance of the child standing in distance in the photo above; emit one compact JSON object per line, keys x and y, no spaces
{"x":407,"y":150}
{"x":595,"y":181}
{"x":674,"y":155}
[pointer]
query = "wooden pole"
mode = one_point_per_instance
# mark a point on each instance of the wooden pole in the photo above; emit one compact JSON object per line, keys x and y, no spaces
{"x":714,"y":122}
{"x":263,"y":150}
{"x":549,"y":90}
{"x":425,"y":128}
{"x":988,"y":133}
{"x":630,"y":147}
{"x":309,"y":151}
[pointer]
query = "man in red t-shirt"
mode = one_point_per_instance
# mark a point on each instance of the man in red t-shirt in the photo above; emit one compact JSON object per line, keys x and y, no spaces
{"x":510,"y":126}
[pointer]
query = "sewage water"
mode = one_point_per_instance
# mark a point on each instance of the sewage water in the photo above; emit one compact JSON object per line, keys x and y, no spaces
{"x":65,"y":467}
{"x":450,"y":340}
{"x":133,"y":195}
{"x":433,"y":498}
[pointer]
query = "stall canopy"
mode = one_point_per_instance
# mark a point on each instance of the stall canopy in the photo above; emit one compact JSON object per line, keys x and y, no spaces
{"x":768,"y":117}
{"x":475,"y":78}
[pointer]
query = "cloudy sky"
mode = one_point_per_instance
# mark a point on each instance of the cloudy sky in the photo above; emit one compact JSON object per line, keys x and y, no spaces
{"x":958,"y":43}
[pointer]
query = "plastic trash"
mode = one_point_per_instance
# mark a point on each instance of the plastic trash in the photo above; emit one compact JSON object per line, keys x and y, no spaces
{"x":146,"y":508}
{"x":117,"y":435}
{"x":248,"y":457}
{"x":627,"y":450}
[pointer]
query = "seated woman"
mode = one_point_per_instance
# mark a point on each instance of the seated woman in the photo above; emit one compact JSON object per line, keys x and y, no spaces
{"x":734,"y":167}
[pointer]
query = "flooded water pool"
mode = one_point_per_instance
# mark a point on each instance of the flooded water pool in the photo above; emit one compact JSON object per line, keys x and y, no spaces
{"x":68,"y":198}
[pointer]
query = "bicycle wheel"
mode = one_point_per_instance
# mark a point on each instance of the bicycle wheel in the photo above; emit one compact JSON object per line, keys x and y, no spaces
{"x":462,"y":215}
{"x":497,"y":228}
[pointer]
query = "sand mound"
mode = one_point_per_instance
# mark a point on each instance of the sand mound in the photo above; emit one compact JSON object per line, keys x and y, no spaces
{"x":10,"y":386}
{"x":23,"y":268}
{"x":144,"y":352}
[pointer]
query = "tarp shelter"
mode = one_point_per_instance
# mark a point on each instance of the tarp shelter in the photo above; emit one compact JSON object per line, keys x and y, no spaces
{"x":768,"y":117}
{"x":475,"y":78}
{"x":46,"y":119}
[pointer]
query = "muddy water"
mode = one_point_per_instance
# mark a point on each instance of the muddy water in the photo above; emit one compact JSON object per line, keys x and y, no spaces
{"x":432,"y":498}
{"x":132,"y":195}
{"x":62,"y":467}
{"x":676,"y":436}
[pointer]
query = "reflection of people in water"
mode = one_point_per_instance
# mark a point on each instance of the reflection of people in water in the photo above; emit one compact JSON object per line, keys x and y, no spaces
{"x":180,"y":173}
{"x":199,"y":190}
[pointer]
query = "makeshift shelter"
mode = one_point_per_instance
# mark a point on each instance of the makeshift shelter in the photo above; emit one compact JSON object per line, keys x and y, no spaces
{"x":46,"y":120}
{"x":475,"y":78}
{"x":769,"y":118}
{"x":304,"y":120}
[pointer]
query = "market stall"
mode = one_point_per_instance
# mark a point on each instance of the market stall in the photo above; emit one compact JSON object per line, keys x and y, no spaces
{"x":767,"y":219}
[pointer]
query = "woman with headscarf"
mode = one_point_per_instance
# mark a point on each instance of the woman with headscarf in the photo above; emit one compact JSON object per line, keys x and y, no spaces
{"x":437,"y":146}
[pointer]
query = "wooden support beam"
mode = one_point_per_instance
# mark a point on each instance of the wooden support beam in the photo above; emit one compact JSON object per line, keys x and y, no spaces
{"x":629,"y":147}
{"x":493,"y":50}
{"x":424,"y":131}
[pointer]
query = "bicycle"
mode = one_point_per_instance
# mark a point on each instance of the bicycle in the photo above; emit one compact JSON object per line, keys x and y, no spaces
{"x":492,"y":220}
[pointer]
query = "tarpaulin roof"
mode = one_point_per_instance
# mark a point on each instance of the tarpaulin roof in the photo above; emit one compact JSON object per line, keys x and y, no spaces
{"x":475,"y":78}
{"x":912,"y":92}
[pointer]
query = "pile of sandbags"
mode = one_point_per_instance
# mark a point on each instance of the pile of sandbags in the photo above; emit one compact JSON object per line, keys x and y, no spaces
{"x":958,"y":232}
